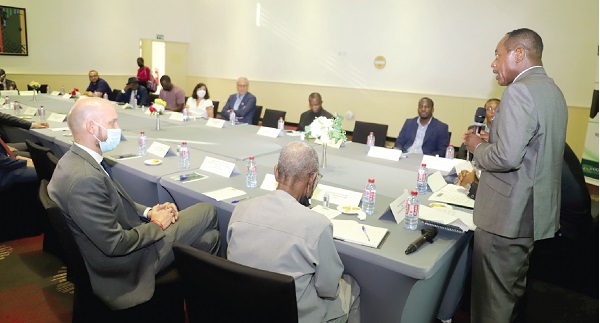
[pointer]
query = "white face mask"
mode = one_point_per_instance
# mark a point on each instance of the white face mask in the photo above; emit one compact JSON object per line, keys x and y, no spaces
{"x":201,"y":94}
{"x":113,"y":138}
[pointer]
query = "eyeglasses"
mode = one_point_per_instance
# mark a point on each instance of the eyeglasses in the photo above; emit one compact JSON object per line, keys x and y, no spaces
{"x":492,"y":109}
{"x":319,"y":176}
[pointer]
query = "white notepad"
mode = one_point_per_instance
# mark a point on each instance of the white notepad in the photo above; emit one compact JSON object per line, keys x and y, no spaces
{"x":352,"y":231}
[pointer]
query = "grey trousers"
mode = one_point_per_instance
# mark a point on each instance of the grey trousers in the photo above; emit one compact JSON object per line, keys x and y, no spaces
{"x":500,"y":267}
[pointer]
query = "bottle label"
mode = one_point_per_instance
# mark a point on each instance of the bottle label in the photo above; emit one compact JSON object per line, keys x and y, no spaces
{"x":143,"y":141}
{"x":369,"y":195}
{"x":421,"y":176}
{"x":184,"y":153}
{"x":251,"y":170}
{"x":412,"y":208}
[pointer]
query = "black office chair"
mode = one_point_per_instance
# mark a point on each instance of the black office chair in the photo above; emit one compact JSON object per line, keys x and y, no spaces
{"x":256,"y":116}
{"x":87,"y":307}
{"x":271,"y":117}
{"x":219,"y":290}
{"x":152,"y":97}
{"x":112,"y":96}
{"x":215,"y":108}
{"x":39,"y":155}
{"x":43,"y":88}
{"x":362,"y":130}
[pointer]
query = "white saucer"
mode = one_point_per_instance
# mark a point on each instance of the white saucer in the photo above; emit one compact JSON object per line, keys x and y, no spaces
{"x":348,"y":209}
{"x":153,"y":162}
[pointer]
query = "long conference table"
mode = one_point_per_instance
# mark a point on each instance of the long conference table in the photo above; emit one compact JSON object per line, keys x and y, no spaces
{"x":394,"y":287}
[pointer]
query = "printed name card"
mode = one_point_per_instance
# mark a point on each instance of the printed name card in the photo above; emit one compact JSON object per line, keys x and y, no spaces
{"x":177,"y":116}
{"x":57,"y":117}
{"x":30,"y":111}
{"x":55,"y":93}
{"x":66,"y":96}
{"x":398,"y":207}
{"x":158,"y":149}
{"x":269,"y":183}
{"x":269,"y":132}
{"x":385,"y":153}
{"x":338,"y":196}
{"x":436,"y":181}
{"x":215,"y":123}
{"x":26,"y":93}
{"x":445,"y":165}
{"x":9,"y":92}
{"x":219,"y":167}
{"x":127,"y":106}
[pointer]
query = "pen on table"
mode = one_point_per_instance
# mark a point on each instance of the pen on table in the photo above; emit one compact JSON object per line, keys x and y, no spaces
{"x":365,"y":231}
{"x":236,"y":201}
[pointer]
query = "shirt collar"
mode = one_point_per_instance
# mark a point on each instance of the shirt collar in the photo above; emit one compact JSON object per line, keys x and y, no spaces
{"x":419,"y":121}
{"x":97,"y":157}
{"x":524,"y":72}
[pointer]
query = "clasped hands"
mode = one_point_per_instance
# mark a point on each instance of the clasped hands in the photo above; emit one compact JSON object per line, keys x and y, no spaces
{"x":165,"y":213}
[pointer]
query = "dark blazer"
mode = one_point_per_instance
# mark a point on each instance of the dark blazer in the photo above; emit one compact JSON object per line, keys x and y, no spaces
{"x":142,"y":96}
{"x":7,"y":81}
{"x":436,"y":138}
{"x":7,"y":120}
{"x":120,"y":253}
{"x":246,"y":109}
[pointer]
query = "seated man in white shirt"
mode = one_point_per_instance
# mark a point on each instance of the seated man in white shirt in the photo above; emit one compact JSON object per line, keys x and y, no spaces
{"x":276,"y":233}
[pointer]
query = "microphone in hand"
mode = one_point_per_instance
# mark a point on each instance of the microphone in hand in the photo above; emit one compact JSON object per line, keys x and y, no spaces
{"x":479,"y":118}
{"x":426,"y":235}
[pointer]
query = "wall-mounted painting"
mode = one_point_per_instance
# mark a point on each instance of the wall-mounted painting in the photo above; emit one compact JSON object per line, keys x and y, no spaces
{"x":13,"y":31}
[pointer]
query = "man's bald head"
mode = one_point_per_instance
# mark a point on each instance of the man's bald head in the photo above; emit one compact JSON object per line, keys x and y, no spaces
{"x":88,"y":110}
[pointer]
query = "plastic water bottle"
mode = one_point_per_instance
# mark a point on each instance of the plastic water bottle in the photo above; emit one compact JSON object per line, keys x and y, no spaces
{"x":135,"y":103}
{"x":105,"y":96}
{"x":368,"y":199}
{"x":186,"y":117}
{"x":48,"y":89}
{"x":370,"y":141}
{"x":422,"y":179}
{"x":232,"y":117}
{"x":411,"y":214}
{"x":184,"y":156}
{"x":143,"y":143}
{"x":7,"y":102}
{"x":17,"y":107}
{"x":42,"y":113}
{"x":280,"y":123}
{"x":251,"y":178}
{"x":62,"y":90}
{"x":450,"y":152}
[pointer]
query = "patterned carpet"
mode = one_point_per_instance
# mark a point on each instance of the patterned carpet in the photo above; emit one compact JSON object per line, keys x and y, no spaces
{"x":33,"y":285}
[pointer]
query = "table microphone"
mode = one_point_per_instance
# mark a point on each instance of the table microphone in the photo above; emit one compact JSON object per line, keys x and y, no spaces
{"x":426,"y":235}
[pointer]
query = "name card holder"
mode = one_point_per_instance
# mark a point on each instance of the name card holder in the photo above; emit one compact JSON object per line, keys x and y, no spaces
{"x":219,"y":167}
{"x":30,"y":111}
{"x":215,"y":123}
{"x":57,"y":117}
{"x":269,"y":132}
{"x":159,"y":149}
{"x":385,"y":153}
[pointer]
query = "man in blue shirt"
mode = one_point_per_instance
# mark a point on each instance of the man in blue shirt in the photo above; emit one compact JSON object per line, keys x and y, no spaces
{"x":98,"y":86}
{"x":242,"y":103}
{"x":424,"y":134}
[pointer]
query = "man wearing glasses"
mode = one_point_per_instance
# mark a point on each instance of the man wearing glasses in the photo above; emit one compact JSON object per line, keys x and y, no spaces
{"x":98,"y":86}
{"x":243,"y":103}
{"x":278,"y":234}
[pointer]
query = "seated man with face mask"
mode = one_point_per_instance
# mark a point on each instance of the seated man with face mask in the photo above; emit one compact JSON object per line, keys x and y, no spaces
{"x":124,"y":244}
{"x":276,"y":233}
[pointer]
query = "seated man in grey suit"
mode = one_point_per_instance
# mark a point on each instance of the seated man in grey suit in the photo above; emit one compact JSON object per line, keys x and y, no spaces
{"x":276,"y":233}
{"x":122,"y":250}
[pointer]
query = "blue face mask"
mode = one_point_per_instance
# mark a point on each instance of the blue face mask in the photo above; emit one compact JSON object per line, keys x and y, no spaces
{"x":113,"y":138}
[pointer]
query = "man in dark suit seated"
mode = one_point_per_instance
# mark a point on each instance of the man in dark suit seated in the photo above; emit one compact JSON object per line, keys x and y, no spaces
{"x":133,"y":91}
{"x":424,"y":134}
{"x":18,"y":148}
{"x":316,"y":110}
{"x":14,"y":169}
{"x":124,"y":244}
{"x":242,"y":103}
{"x":6,"y":84}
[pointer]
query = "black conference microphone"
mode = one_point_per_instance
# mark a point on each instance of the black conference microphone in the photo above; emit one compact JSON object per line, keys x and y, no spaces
{"x":479,"y":118}
{"x":426,"y":235}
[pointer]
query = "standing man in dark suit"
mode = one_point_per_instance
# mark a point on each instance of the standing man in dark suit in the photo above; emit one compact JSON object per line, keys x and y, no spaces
{"x":424,"y":134}
{"x":133,"y":90}
{"x":6,"y":84}
{"x":518,"y":196}
{"x":242,"y":103}
{"x":122,"y":251}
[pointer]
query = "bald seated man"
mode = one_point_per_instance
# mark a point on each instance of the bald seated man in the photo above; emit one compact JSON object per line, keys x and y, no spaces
{"x":275,"y":232}
{"x":124,"y":244}
{"x":243,"y":103}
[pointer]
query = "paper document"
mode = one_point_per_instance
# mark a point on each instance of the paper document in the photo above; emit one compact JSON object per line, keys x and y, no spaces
{"x":362,"y":234}
{"x":447,"y":218}
{"x":338,"y":196}
{"x":453,"y":194}
{"x":329,"y":213}
{"x":224,"y":193}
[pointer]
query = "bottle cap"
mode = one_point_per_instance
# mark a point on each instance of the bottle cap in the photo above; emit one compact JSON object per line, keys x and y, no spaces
{"x":451,"y":145}
{"x":184,"y":142}
{"x":251,"y":158}
{"x":370,"y":133}
{"x":413,"y":192}
{"x":141,"y":133}
{"x":423,"y":165}
{"x":371,"y":180}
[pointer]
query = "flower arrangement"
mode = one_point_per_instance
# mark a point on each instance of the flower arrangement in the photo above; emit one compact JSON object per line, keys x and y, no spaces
{"x":34,"y":85}
{"x":326,"y":130}
{"x":158,"y":107}
{"x":75,"y":93}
